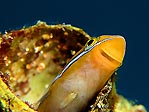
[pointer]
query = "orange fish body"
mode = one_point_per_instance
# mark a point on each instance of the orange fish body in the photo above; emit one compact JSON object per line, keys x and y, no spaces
{"x":84,"y":75}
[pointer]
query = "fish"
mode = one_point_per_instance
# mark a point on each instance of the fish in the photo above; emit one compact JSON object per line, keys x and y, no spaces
{"x":85,"y":75}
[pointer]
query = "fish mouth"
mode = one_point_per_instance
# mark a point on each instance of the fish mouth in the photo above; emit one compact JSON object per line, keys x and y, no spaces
{"x":114,"y":48}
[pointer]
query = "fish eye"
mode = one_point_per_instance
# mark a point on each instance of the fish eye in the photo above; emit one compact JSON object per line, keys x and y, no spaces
{"x":90,"y":42}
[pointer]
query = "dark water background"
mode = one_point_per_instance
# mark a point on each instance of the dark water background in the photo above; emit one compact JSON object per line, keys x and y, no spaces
{"x":129,"y":18}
